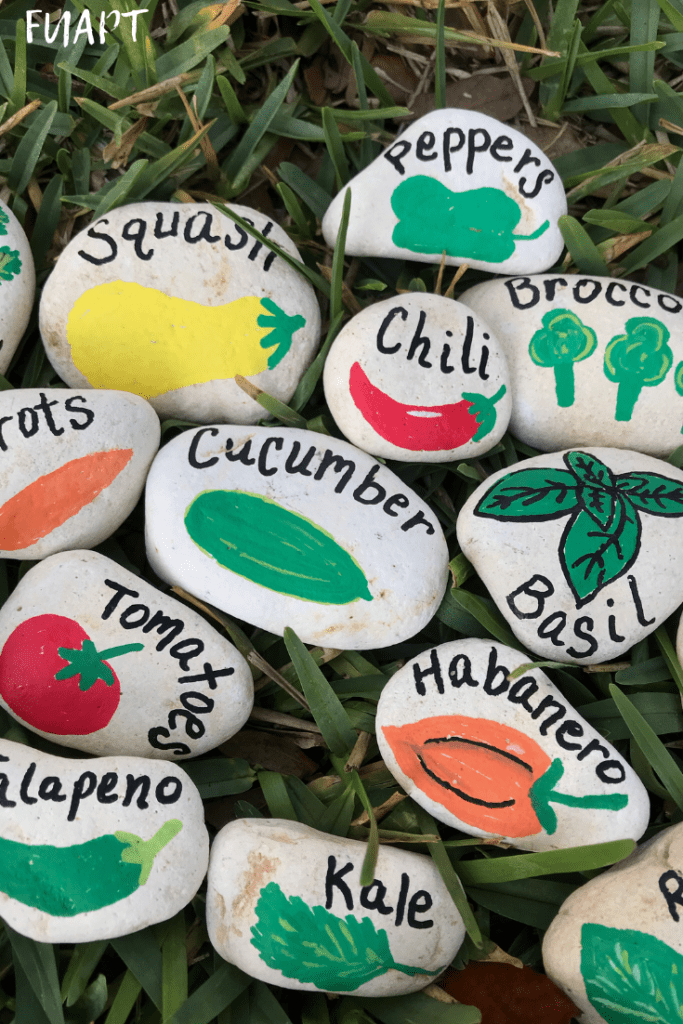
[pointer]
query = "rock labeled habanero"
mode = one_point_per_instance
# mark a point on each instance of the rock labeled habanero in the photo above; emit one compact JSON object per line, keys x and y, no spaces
{"x":286,"y":527}
{"x":616,"y":944}
{"x":72,"y":467}
{"x":581,"y":550}
{"x":285,"y":903}
{"x":418,"y":378}
{"x":171,"y":302}
{"x":93,"y":657}
{"x":17,"y":284}
{"x":592,"y":360}
{"x":460,"y":183}
{"x":504,"y":758}
{"x":97,"y":848}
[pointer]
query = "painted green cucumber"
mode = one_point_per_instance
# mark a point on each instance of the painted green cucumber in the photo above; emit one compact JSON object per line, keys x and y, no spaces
{"x":256,"y":538}
{"x":69,"y":880}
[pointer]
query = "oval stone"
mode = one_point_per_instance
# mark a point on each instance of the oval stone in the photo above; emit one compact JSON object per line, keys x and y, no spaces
{"x":93,"y":657}
{"x":592,"y":360}
{"x":72,"y":465}
{"x":582,"y":551}
{"x":285,"y":904}
{"x":94,"y":849}
{"x":172,"y":301}
{"x":17,"y":284}
{"x":616,"y":946}
{"x":420,"y":379}
{"x":502,"y":758}
{"x":459,"y":182}
{"x":286,"y":527}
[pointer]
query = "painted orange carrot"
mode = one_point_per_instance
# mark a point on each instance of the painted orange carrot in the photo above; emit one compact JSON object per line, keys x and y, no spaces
{"x":49,"y":501}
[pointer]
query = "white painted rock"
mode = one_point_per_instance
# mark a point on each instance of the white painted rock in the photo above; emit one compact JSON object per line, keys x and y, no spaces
{"x":17,"y":284}
{"x":459,"y":181}
{"x":94,"y":657}
{"x":592,"y":360}
{"x":420,"y":379}
{"x":285,"y":904}
{"x":94,"y":849}
{"x":285,"y":527}
{"x":72,"y":467}
{"x":616,"y":945}
{"x":582,"y":551}
{"x":501,"y":758}
{"x":171,"y":301}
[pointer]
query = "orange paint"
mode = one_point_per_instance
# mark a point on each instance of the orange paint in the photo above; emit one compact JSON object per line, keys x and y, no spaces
{"x":50,"y":500}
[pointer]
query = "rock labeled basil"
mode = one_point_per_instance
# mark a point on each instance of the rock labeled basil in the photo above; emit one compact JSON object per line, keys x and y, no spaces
{"x":459,"y":183}
{"x":420,"y":379}
{"x":616,"y":947}
{"x":504,"y":758}
{"x":93,"y":657}
{"x":581,"y":550}
{"x":17,"y":284}
{"x":285,"y":904}
{"x":93,"y":849}
{"x":592,"y":360}
{"x":285,"y":527}
{"x":171,"y":301}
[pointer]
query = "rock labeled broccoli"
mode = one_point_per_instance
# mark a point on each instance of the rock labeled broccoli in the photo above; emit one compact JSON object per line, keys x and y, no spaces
{"x":562,"y":341}
{"x":640,"y":358}
{"x":678,"y":381}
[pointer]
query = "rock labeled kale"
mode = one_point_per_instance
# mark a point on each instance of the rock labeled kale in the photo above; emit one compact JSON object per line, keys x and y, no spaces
{"x":640,"y":358}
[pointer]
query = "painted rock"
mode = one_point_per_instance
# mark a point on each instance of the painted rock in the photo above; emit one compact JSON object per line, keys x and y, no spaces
{"x":420,"y":379}
{"x":459,"y":182}
{"x":285,"y":527}
{"x":171,"y":301}
{"x":616,"y":945}
{"x":505,"y":758}
{"x":94,"y":849}
{"x":72,"y":467}
{"x":17,"y":284}
{"x":592,"y":360}
{"x":582,"y":551}
{"x":285,"y":904}
{"x":176,"y":688}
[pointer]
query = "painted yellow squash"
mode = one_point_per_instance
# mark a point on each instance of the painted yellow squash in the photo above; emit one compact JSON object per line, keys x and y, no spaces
{"x":131,"y":338}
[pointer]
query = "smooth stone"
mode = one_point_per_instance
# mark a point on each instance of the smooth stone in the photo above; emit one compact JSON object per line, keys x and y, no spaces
{"x":616,"y":945}
{"x":155,"y":679}
{"x":73,"y":466}
{"x":91,"y":849}
{"x":420,"y":379}
{"x":579,"y":583}
{"x":17,"y":284}
{"x":459,"y":181}
{"x":504,"y":759}
{"x":592,"y":360}
{"x":285,"y":904}
{"x":172,"y":301}
{"x":286,"y":527}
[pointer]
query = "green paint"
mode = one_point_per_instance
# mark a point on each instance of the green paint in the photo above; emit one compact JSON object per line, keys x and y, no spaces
{"x":4,"y":221}
{"x":631,"y":977}
{"x":478,"y":224}
{"x":256,"y":538}
{"x":678,"y":381}
{"x":314,"y":946}
{"x":562,"y":341}
{"x":282,"y":330}
{"x":89,"y":663}
{"x":640,"y":358}
{"x":543,"y":793}
{"x":10,"y":263}
{"x":69,"y":880}
{"x":484,"y":410}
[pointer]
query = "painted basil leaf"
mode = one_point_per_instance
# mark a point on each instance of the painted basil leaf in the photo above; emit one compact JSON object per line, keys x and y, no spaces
{"x":594,"y":555}
{"x":534,"y":494}
{"x":653,"y":493}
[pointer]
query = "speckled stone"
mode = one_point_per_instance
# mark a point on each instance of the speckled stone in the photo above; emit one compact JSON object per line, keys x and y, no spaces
{"x":17,"y":284}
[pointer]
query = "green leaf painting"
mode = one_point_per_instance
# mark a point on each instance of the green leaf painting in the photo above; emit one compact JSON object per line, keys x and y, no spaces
{"x":602,"y":537}
{"x":314,"y":946}
{"x":4,"y":221}
{"x":562,"y":341}
{"x":639,"y":358}
{"x":630,"y":976}
{"x":281,"y":330}
{"x":10,"y":264}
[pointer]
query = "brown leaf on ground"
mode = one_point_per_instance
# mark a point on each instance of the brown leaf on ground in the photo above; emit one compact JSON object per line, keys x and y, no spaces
{"x":506,"y":995}
{"x":494,"y":95}
{"x":274,"y":753}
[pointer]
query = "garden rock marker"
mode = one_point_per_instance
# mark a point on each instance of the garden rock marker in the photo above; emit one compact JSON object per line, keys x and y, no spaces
{"x":285,"y":904}
{"x":459,"y":182}
{"x":17,"y":284}
{"x":420,"y":379}
{"x":504,"y":758}
{"x":171,"y":301}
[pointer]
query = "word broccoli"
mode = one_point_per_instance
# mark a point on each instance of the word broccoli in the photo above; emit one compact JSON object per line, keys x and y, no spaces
{"x":640,"y":358}
{"x":562,"y":341}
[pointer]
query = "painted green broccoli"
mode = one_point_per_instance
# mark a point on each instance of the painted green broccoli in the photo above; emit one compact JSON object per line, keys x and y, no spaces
{"x":678,"y":381}
{"x":640,"y":358}
{"x":562,"y":341}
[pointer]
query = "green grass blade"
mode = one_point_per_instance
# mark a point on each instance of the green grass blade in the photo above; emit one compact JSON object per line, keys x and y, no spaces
{"x":670,"y":657}
{"x":440,"y":64}
{"x":487,"y":615}
{"x":326,"y":708}
{"x":372,"y":79}
{"x":174,"y":966}
{"x":18,"y":96}
{"x":335,"y":147}
{"x":644,"y":26}
{"x":124,"y":1000}
{"x":336,"y":285}
{"x":258,"y":127}
{"x":210,"y":999}
{"x":315,"y":197}
{"x":141,"y":955}
{"x":582,"y":249}
{"x":38,"y":962}
{"x":276,"y":795}
{"x":550,"y":862}
{"x":651,"y":746}
{"x":30,"y":148}
{"x":83,"y":962}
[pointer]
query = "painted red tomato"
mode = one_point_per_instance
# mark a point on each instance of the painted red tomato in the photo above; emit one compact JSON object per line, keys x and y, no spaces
{"x":54,"y":679}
